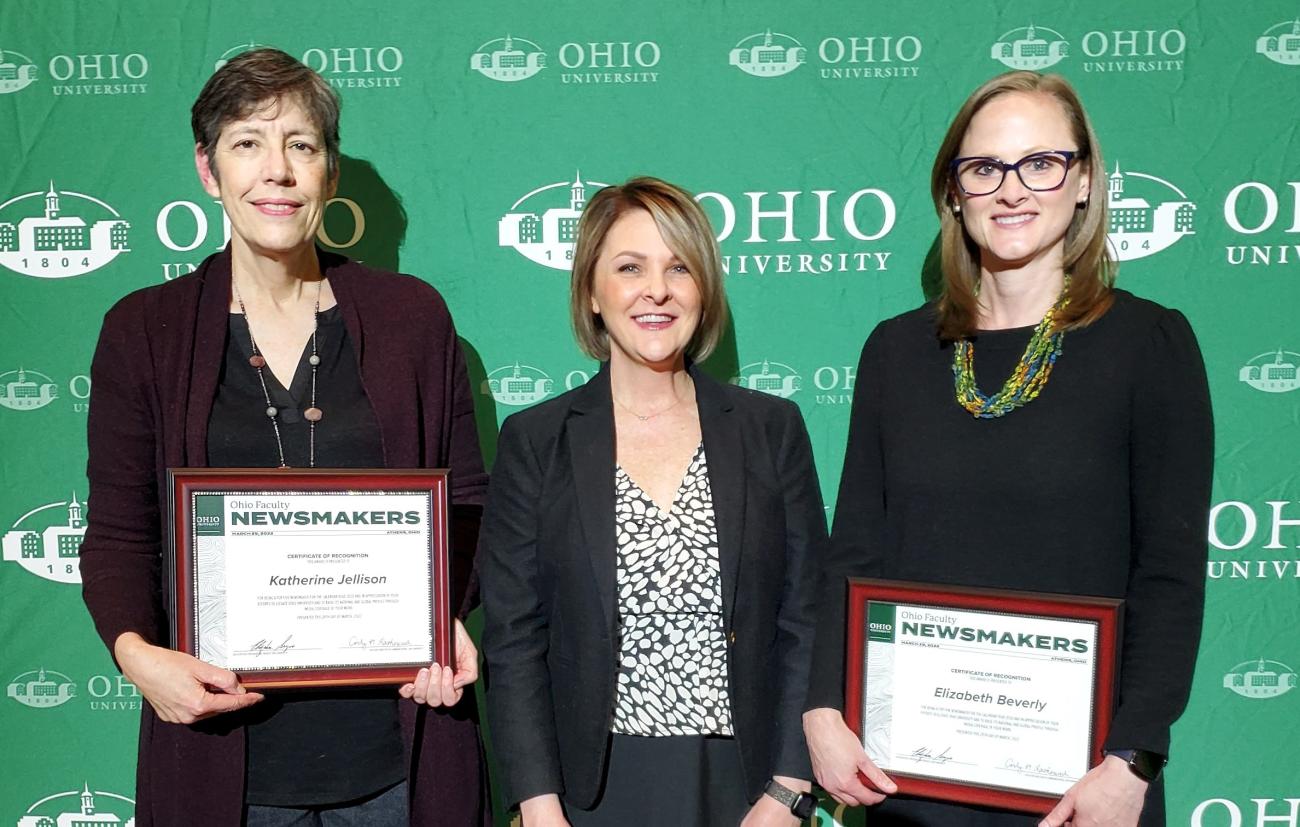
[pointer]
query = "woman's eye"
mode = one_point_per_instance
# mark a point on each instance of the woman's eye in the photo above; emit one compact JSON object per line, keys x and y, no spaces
{"x":302,"y":147}
{"x":246,"y":143}
{"x":985,"y":169}
{"x":628,"y":268}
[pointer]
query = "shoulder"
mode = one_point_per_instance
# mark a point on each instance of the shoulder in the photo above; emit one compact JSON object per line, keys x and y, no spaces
{"x":399,"y":295}
{"x":906,"y":332}
{"x":1147,"y":323}
{"x":543,"y":419}
{"x":157,"y":304}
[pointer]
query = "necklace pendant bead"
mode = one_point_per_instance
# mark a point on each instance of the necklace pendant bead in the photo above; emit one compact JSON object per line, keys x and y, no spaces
{"x":257,"y":361}
{"x":312,"y":414}
{"x":272,"y":411}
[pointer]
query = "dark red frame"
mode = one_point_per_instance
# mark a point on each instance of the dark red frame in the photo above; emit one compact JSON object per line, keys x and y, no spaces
{"x":179,"y":579}
{"x":1107,"y":613}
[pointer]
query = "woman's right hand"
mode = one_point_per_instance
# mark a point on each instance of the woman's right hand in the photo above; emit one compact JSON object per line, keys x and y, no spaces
{"x":180,"y":688}
{"x":838,"y":759}
{"x":542,"y":811}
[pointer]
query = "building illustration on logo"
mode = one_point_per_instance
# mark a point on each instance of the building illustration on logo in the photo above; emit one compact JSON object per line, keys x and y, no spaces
{"x":1280,"y":43}
{"x":546,"y":236}
{"x":40,"y":690}
{"x":19,"y":391}
{"x":517,"y":385}
{"x":17,"y":71}
{"x":1272,"y":372}
{"x":234,"y":51}
{"x":1137,"y":227}
{"x":54,"y":245}
{"x":46,"y":547}
{"x":1030,"y":50}
{"x":1260,"y":679}
{"x":80,"y":809}
{"x":771,"y":377}
{"x":768,"y":55}
{"x":508,"y":59}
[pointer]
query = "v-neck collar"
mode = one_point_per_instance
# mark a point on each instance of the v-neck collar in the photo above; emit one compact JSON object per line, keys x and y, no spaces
{"x":299,"y":385}
{"x":671,"y":510}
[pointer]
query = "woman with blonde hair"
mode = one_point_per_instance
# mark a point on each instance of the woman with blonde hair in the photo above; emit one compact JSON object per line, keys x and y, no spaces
{"x":1073,"y":455}
{"x":649,"y":555}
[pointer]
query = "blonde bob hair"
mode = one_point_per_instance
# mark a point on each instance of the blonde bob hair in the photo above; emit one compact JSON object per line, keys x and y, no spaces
{"x":687,"y":232}
{"x":1086,"y":258}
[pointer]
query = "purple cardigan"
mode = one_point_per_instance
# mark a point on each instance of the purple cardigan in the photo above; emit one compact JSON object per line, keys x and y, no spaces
{"x":154,"y":378}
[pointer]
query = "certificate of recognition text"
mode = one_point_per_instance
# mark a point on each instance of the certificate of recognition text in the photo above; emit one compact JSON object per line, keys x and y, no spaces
{"x":312,"y":579}
{"x":979,"y":697}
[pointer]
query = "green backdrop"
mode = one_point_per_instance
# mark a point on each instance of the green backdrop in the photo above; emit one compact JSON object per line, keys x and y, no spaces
{"x":806,"y":128}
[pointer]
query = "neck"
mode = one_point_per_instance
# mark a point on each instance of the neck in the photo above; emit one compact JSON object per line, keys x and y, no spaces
{"x":279,"y":278}
{"x":648,"y":388}
{"x":1018,"y":296}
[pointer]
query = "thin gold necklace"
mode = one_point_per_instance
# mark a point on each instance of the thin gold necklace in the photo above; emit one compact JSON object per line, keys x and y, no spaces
{"x":648,"y":417}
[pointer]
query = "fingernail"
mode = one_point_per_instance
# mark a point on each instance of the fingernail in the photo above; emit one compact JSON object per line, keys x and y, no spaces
{"x":424,"y":673}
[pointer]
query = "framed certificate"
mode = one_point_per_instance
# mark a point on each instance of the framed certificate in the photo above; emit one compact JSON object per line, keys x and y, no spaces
{"x":310,"y":577}
{"x":982,"y":696}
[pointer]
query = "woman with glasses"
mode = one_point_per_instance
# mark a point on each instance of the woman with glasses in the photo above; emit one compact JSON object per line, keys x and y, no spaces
{"x":1035,"y":428}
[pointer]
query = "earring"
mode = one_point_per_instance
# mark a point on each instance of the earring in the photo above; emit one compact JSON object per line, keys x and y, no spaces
{"x":956,"y":208}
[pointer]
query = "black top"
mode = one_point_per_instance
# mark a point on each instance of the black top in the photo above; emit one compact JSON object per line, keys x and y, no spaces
{"x":307,"y":748}
{"x":1100,"y":486}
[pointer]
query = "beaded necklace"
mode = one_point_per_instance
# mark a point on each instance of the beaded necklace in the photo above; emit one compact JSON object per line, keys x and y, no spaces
{"x":258,"y":361}
{"x":1028,"y":378}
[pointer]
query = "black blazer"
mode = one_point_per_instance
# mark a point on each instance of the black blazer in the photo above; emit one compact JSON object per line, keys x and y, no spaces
{"x":547,"y":566}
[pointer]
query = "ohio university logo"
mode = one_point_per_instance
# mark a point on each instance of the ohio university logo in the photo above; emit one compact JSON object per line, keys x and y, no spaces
{"x":517,"y":385}
{"x":47,"y":541}
{"x":1280,"y":44}
{"x":1147,"y":214}
{"x":26,"y":390}
{"x":42,"y":689}
{"x":17,"y":71}
{"x":508,"y":59}
{"x":59,"y":233}
{"x":1260,"y":679}
{"x":1272,"y":372}
{"x":1030,"y":47}
{"x":80,"y":808}
{"x":543,"y":224}
{"x":768,"y":55}
{"x":776,"y":378}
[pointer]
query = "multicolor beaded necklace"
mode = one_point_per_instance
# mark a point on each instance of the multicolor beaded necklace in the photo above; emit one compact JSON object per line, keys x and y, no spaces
{"x":1029,"y":376}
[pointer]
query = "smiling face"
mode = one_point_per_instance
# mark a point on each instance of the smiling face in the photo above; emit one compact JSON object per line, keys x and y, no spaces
{"x":1015,"y":227}
{"x":645,"y":296}
{"x":271,"y":174}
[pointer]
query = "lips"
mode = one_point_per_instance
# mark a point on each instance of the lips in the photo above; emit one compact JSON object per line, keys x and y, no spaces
{"x":654,"y":321}
{"x":277,"y":206}
{"x":1014,"y":220}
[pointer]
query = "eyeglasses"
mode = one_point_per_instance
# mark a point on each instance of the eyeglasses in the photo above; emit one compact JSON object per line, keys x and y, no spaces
{"x":1040,"y":171}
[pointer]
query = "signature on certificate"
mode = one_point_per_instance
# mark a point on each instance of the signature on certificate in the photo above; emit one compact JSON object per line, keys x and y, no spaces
{"x":266,"y":646}
{"x":1035,"y":768}
{"x":927,"y":755}
{"x":377,"y":643}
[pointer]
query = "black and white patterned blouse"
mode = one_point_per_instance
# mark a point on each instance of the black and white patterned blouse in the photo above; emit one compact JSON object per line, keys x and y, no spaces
{"x":672,"y":675}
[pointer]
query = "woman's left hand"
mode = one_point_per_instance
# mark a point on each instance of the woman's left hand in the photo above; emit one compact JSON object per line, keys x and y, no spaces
{"x":1110,"y":794}
{"x":768,"y":812}
{"x":441,"y":685}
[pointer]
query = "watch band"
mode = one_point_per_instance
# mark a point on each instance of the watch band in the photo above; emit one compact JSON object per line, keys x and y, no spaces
{"x":802,"y":805}
{"x":1142,"y":763}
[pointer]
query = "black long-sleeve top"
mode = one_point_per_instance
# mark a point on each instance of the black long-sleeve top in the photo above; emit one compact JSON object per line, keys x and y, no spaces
{"x":1100,"y":486}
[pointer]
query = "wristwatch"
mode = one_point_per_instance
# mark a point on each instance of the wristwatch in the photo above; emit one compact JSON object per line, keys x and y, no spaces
{"x":1145,"y":765}
{"x":803,"y":805}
